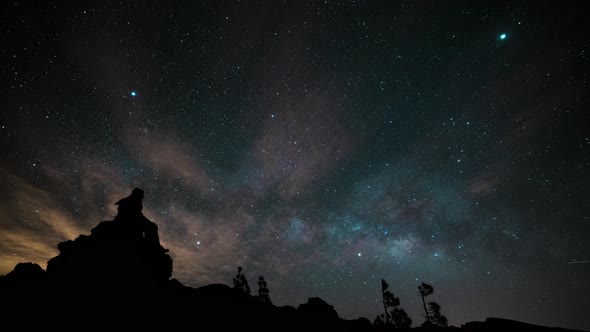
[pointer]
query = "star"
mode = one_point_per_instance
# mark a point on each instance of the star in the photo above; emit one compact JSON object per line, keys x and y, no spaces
{"x":271,"y":147}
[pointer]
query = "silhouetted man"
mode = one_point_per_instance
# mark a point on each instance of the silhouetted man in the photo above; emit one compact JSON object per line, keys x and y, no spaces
{"x":131,"y":206}
{"x":130,"y":212}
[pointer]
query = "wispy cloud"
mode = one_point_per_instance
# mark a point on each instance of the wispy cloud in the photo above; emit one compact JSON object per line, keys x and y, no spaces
{"x":42,"y":223}
{"x":300,"y":142}
{"x":169,"y":160}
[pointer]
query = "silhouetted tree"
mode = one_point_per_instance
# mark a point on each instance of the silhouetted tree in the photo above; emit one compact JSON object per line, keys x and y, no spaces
{"x":437,"y":319}
{"x":433,"y":315}
{"x":240,"y":282}
{"x":263,"y":291}
{"x":425,"y":290}
{"x":399,"y":318}
{"x":393,"y":315}
{"x":379,"y":320}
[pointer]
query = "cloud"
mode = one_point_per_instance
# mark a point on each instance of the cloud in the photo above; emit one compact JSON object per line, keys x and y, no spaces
{"x":32,"y":223}
{"x":19,"y":245}
{"x":203,"y":246}
{"x":301,"y":141}
{"x":170,"y":160}
{"x":482,"y":184}
{"x":403,"y":246}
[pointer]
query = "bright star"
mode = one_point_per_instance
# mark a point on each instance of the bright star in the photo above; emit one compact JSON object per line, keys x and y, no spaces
{"x":133,"y":93}
{"x":503,"y":36}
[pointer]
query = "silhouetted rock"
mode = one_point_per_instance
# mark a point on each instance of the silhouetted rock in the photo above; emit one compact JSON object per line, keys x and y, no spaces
{"x":125,"y":252}
{"x":288,"y":309}
{"x":24,"y":275}
{"x":501,"y":324}
{"x":359,"y":324}
{"x":317,"y":307}
{"x":115,"y":254}
{"x":118,"y":279}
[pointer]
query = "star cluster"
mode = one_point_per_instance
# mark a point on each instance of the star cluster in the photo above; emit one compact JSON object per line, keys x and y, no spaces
{"x":323,"y":145}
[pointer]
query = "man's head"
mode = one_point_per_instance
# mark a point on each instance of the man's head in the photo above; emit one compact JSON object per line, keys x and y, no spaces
{"x":137,"y":193}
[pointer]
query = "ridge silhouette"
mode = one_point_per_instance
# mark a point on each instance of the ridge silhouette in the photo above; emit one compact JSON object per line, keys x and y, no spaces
{"x":118,"y":278}
{"x":124,"y":252}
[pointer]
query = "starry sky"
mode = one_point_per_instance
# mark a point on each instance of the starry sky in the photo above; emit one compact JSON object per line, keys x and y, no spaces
{"x":322,"y":144}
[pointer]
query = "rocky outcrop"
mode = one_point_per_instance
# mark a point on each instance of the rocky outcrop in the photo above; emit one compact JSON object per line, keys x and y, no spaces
{"x":317,"y":307}
{"x":501,"y":324}
{"x":118,"y":279}
{"x":115,"y":254}
{"x":24,"y":275}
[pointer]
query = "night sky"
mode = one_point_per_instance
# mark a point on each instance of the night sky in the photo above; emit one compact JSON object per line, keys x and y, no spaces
{"x":324,"y":145}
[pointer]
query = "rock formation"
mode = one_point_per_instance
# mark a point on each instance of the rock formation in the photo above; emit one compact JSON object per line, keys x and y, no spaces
{"x":124,"y":252}
{"x":118,"y":279}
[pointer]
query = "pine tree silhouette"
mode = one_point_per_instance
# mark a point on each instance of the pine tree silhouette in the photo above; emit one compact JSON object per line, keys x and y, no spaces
{"x":263,"y":291}
{"x":437,"y":319}
{"x":379,"y":320}
{"x":240,"y":282}
{"x":400,"y":319}
{"x":425,"y":290}
{"x":433,"y":315}
{"x":393,"y":315}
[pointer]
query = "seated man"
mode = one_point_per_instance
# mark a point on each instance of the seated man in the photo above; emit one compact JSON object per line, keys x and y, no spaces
{"x":130,"y":212}
{"x":131,"y":206}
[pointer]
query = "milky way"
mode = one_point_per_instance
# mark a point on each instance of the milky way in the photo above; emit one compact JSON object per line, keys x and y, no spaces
{"x":323,"y":145}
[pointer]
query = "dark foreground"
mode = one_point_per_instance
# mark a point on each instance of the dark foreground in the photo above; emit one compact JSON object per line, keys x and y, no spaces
{"x":118,"y":279}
